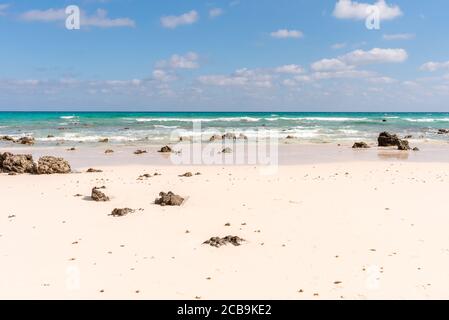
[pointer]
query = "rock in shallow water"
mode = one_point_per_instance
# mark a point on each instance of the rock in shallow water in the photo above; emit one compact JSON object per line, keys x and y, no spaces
{"x":360,"y":145}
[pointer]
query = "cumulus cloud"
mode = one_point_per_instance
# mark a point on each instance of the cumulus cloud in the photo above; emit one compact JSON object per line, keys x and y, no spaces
{"x":285,"y":33}
{"x":176,"y":61}
{"x":49,"y":15}
{"x":376,"y":55}
{"x":355,"y":58}
{"x":172,"y":22}
{"x":399,"y":36}
{"x":350,"y":74}
{"x":348,"y":9}
{"x":215,"y":12}
{"x":330,"y":65}
{"x":163,"y":76}
{"x":434,"y":66}
{"x":99,"y":19}
{"x":241,"y":77}
{"x":290,"y":69}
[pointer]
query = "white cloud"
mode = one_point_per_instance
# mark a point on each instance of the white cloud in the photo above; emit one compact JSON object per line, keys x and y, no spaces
{"x":49,"y":15}
{"x":376,"y":55}
{"x":382,"y":80}
{"x":215,"y":12}
{"x":330,"y":65}
{"x":242,"y":77}
{"x":176,"y":61}
{"x":348,"y":9}
{"x":172,"y":22}
{"x":399,"y":36}
{"x":284,"y":34}
{"x":99,"y":19}
{"x":434,"y":66}
{"x":351,"y":74}
{"x":351,"y":60}
{"x":163,"y":76}
{"x":290,"y":68}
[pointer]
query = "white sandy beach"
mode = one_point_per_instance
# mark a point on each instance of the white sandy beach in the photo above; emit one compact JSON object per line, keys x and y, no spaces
{"x":338,"y":230}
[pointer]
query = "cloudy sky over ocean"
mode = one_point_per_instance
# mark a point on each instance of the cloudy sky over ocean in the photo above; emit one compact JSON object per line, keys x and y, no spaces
{"x":301,"y":55}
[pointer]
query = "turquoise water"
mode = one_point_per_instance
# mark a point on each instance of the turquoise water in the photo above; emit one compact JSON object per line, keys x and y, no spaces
{"x":128,"y":127}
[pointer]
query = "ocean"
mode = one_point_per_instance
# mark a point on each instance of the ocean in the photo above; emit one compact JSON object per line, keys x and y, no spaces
{"x":156,"y":127}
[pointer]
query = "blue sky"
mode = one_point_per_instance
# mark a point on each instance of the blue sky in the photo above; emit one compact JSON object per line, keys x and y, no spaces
{"x":293,"y":55}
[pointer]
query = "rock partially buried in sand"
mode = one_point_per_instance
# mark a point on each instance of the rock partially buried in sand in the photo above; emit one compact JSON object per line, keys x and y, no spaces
{"x":403,"y":145}
{"x":109,"y":151}
{"x":140,"y":152}
{"x":230,"y":136}
{"x":415,"y":149}
{"x":215,"y":137}
{"x":20,"y":163}
{"x":92,"y":170}
{"x":104,"y":140}
{"x":226,"y":150}
{"x":360,"y":145}
{"x":218,"y":242}
{"x":187,"y":175}
{"x":290,"y":137}
{"x":184,"y":139}
{"x":166,"y":149}
{"x":52,"y":165}
{"x":98,"y":195}
{"x":443,"y":131}
{"x":121,"y":212}
{"x":26,"y":140}
{"x":7,"y":138}
{"x":169,"y":199}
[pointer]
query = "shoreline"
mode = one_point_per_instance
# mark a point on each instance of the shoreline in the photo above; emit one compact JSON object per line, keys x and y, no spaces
{"x":284,"y":154}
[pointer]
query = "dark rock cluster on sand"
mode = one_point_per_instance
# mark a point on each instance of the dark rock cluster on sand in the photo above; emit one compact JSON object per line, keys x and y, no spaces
{"x":227,"y":136}
{"x":140,"y":152}
{"x":23,"y":140}
{"x":51,"y":165}
{"x":169,"y":199}
{"x":360,"y":145}
{"x":391,"y":140}
{"x":20,"y":163}
{"x":98,"y":195}
{"x":92,"y":170}
{"x":23,"y":163}
{"x":187,"y":175}
{"x":166,"y":149}
{"x":218,"y":242}
{"x":121,"y":212}
{"x":443,"y":131}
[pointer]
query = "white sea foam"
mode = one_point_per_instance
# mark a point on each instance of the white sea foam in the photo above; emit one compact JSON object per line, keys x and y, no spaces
{"x":225,"y":119}
{"x":68,"y":117}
